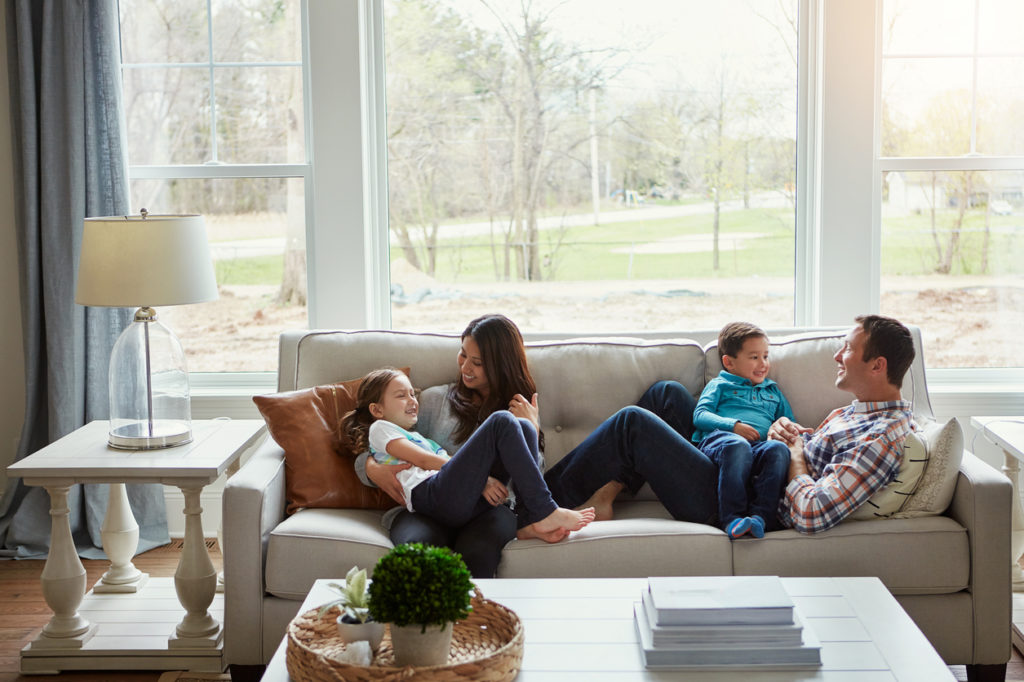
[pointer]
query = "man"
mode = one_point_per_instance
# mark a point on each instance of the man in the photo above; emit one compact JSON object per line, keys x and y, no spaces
{"x":857,"y":450}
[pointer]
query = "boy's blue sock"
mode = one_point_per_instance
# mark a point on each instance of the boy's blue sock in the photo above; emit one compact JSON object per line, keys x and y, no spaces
{"x":738,"y":527}
{"x":756,"y":526}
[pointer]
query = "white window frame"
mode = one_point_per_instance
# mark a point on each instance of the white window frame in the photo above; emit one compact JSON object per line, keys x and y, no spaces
{"x":838,"y":263}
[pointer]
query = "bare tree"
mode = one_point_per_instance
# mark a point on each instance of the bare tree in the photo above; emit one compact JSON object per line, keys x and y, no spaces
{"x":545,"y":75}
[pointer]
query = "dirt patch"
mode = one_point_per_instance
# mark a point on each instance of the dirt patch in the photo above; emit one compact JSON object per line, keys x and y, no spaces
{"x":969,"y":325}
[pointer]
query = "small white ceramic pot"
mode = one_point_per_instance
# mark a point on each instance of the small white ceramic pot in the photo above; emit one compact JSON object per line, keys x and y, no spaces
{"x":370,"y":632}
{"x":417,"y":648}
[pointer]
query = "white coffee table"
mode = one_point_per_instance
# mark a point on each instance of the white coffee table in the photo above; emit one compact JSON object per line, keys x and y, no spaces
{"x":583,"y":630}
{"x":129,"y":622}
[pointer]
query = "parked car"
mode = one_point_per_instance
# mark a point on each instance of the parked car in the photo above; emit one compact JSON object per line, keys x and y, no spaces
{"x":1001,"y":207}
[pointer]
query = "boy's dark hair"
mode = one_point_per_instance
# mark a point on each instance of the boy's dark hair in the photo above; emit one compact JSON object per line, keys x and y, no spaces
{"x":734,"y":335}
{"x":890,"y":339}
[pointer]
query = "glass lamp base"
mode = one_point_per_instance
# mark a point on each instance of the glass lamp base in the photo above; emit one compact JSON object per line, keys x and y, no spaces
{"x":138,"y":435}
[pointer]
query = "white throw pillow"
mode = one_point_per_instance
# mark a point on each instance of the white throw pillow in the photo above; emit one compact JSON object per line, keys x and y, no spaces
{"x":945,"y":443}
{"x":893,"y":497}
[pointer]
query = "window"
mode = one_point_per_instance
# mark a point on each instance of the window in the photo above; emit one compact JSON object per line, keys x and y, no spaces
{"x":583,"y":166}
{"x":215,"y":109}
{"x":863,"y":80}
{"x":952,"y":176}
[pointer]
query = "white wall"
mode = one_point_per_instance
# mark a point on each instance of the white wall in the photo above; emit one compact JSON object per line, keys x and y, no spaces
{"x":12,"y":358}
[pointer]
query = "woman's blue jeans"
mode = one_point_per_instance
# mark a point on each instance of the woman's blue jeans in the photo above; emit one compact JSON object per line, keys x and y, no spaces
{"x":751,"y":476}
{"x":648,"y":442}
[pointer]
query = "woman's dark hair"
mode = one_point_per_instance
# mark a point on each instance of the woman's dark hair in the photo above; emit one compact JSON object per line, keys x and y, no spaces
{"x":356,"y":423}
{"x":504,"y":359}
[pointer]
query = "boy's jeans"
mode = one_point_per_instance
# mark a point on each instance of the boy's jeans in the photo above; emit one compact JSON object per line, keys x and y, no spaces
{"x":751,"y":476}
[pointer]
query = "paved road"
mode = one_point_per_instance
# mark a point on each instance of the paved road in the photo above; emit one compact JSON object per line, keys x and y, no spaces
{"x":248,"y":248}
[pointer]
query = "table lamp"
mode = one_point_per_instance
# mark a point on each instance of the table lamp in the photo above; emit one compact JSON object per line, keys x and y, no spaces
{"x":146,"y":260}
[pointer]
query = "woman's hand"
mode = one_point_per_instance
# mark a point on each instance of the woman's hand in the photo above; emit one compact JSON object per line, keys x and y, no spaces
{"x":386,"y":478}
{"x":495,"y":492}
{"x":526,"y":409}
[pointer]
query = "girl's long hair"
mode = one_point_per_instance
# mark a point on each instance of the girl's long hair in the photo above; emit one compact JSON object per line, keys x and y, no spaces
{"x":356,"y":423}
{"x":504,"y":360}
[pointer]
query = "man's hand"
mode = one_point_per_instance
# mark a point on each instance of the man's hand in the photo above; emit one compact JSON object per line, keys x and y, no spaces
{"x":495,"y":492}
{"x":386,"y":478}
{"x":786,"y":430}
{"x":746,"y":431}
{"x":797,"y":461}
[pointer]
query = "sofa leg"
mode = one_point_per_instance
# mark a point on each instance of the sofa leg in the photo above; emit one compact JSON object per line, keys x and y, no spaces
{"x":246,"y":673}
{"x":986,"y":673}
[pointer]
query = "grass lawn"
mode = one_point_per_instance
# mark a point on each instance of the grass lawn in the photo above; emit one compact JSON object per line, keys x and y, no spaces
{"x":604,"y":252}
{"x":614,"y":251}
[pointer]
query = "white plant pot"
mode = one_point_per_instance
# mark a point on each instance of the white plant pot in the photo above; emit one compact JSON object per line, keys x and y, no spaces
{"x":417,"y":648}
{"x":371,"y":633}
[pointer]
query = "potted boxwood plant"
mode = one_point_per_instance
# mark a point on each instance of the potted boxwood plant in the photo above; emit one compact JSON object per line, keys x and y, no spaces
{"x":421,"y":591}
{"x":355,"y":623}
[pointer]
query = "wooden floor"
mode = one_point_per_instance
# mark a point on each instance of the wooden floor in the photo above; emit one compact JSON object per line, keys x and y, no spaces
{"x":23,"y":612}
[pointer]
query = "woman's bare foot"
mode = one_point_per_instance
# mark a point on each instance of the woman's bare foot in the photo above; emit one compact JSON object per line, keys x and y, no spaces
{"x":563,"y":519}
{"x":602,"y":500}
{"x":529,"y":532}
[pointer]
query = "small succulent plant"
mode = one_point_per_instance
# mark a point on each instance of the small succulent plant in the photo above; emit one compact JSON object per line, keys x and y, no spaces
{"x":353,"y":599}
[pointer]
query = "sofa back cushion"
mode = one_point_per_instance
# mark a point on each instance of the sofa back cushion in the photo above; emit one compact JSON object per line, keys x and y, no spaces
{"x":581,"y":382}
{"x":324,"y":357}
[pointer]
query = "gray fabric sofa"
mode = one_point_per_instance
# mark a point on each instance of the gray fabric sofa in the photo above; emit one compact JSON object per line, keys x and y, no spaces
{"x":950,"y":571}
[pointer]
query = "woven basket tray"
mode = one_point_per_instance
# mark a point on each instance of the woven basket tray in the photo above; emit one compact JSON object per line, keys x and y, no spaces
{"x":488,"y":645}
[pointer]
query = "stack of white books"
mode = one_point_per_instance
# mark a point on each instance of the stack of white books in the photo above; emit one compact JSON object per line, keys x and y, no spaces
{"x":722,"y":622}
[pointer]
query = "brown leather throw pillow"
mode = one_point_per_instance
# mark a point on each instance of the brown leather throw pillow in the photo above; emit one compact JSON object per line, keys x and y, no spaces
{"x":318,"y":457}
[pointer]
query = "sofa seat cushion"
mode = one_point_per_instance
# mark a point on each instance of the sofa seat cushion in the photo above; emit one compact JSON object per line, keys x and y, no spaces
{"x":641,"y":541}
{"x":322,"y":543}
{"x":921,"y":556}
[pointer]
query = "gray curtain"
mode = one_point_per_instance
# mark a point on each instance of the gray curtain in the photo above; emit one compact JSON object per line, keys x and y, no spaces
{"x":70,"y":163}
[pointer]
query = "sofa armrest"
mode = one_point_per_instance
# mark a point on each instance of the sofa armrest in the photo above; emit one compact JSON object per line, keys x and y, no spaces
{"x":252,"y":506}
{"x":982,"y":504}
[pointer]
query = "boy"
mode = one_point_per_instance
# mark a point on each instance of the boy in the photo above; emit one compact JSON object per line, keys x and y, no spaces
{"x":731,"y":423}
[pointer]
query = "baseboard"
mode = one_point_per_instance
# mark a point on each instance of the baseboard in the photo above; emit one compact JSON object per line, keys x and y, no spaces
{"x":209,"y":500}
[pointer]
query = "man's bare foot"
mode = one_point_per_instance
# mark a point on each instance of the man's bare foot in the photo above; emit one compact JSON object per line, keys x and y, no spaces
{"x":529,"y":532}
{"x":602,"y":500}
{"x":562,"y":518}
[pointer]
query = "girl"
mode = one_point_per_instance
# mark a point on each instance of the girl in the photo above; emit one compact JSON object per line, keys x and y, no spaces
{"x":436,"y":485}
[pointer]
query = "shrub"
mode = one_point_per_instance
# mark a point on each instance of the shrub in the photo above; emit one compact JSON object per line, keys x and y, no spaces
{"x":415,"y":584}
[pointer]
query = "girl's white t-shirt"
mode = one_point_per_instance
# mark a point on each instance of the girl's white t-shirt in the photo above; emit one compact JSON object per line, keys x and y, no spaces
{"x":383,"y":432}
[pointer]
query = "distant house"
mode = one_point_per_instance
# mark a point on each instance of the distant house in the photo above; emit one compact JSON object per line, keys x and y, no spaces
{"x":915,"y":192}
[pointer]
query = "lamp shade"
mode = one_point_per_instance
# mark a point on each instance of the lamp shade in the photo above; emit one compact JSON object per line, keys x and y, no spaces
{"x":145,"y":260}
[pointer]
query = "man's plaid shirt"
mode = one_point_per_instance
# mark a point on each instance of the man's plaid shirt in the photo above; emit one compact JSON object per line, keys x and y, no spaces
{"x":855,"y":452}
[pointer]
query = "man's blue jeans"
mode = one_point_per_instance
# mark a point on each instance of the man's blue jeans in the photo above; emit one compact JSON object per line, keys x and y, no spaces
{"x":751,"y":476}
{"x":648,"y":442}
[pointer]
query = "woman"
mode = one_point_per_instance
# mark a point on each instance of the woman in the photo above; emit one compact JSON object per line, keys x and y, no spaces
{"x":493,"y":376}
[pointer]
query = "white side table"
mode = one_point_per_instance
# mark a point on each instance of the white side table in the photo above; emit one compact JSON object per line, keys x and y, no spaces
{"x":1007,"y":433}
{"x":70,"y":641}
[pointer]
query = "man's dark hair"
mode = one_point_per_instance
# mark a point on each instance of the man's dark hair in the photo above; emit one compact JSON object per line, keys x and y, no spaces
{"x":734,"y":335}
{"x":890,"y":339}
